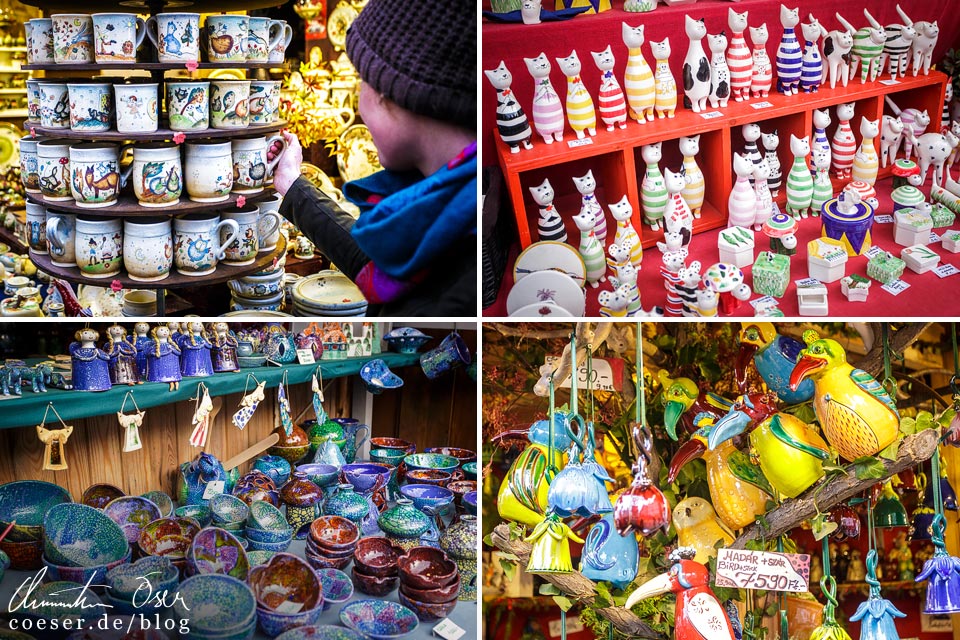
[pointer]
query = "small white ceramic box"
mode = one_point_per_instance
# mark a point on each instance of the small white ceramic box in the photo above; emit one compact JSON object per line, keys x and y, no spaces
{"x":812,"y":300}
{"x":826,"y":259}
{"x":736,"y":246}
{"x":951,"y":241}
{"x":855,"y":287}
{"x":912,"y":227}
{"x":920,"y":258}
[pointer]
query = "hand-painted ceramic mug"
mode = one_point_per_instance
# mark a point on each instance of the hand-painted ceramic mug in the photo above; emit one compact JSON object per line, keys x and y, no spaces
{"x":91,"y":106}
{"x":176,"y":36}
{"x":209,"y":171}
{"x":196,"y":242}
{"x":263,"y":110}
{"x":264,"y":36}
{"x":156,"y":174}
{"x":28,"y":36}
{"x":37,"y":227}
{"x":33,"y":101}
{"x":99,"y":246}
{"x":188,"y":105}
{"x":448,"y":355}
{"x":268,"y":241}
{"x":244,"y":249}
{"x":137,"y":107}
{"x":94,"y":174}
{"x":29,"y":166}
{"x":61,"y":238}
{"x":226,"y":38}
{"x":279,"y":53}
{"x":117,"y":36}
{"x":229,"y":104}
{"x":41,"y":41}
{"x":53,"y":165}
{"x":147,"y":248}
{"x":54,"y":105}
{"x":250,"y":163}
{"x":72,"y":38}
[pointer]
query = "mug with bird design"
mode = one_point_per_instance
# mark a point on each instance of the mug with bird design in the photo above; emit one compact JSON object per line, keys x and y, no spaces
{"x":230,"y":104}
{"x":72,"y":38}
{"x":156,"y":174}
{"x":188,"y":105}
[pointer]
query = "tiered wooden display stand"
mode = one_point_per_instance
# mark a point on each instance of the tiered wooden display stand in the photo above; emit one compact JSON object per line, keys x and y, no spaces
{"x":618,"y":167}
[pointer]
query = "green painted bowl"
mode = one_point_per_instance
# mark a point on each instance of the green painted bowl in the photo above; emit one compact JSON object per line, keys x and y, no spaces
{"x":435,"y":461}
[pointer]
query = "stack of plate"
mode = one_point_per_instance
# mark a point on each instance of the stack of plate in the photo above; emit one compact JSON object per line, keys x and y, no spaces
{"x":328,"y":293}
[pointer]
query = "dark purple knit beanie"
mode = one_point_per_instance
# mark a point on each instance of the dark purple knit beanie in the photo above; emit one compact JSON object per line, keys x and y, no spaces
{"x":420,"y":54}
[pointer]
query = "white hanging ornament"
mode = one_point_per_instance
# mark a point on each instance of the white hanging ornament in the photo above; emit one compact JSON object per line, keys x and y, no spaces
{"x":201,"y":417}
{"x":130,"y":423}
{"x":54,"y":440}
{"x":248,"y":405}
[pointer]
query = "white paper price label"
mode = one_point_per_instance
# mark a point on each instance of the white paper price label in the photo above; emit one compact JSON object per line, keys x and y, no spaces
{"x":305,"y":356}
{"x":807,"y":282}
{"x":289,"y":607}
{"x":603,"y":377}
{"x":873,"y":251}
{"x":884,"y":219}
{"x":710,"y":115}
{"x":763,"y":302}
{"x":761,"y":105}
{"x":946,"y":270}
{"x":573,"y":626}
{"x":765,"y":570}
{"x":212,"y":489}
{"x":448,"y":630}
{"x":896,"y":287}
{"x":580,"y":142}
{"x":889,"y":82}
{"x":934,"y":237}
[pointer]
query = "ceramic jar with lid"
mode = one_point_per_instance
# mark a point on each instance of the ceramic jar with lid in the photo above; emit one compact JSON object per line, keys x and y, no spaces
{"x":303,"y":500}
{"x":277,"y":468}
{"x":347,"y":504}
{"x":403,"y":524}
{"x":459,"y":541}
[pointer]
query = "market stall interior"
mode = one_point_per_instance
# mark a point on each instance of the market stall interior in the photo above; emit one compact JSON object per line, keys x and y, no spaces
{"x":281,"y":479}
{"x":720,"y":480}
{"x":836,"y":154}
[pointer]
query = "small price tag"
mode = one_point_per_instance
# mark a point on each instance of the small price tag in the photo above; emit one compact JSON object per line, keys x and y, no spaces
{"x":607,"y":374}
{"x":580,"y":142}
{"x":807,"y":282}
{"x":289,"y":607}
{"x":873,"y":251}
{"x":884,"y":219}
{"x":765,"y":570}
{"x":212,"y":489}
{"x":447,"y":629}
{"x":305,"y":356}
{"x":889,"y":82}
{"x":896,"y":287}
{"x":934,"y":237}
{"x":946,"y":270}
{"x":764,"y":301}
{"x":761,"y":105}
{"x":710,"y":115}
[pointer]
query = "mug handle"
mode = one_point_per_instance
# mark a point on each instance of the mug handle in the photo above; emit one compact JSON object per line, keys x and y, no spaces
{"x":351,"y":116}
{"x":152,"y":29}
{"x":230,"y":240}
{"x":274,"y":39}
{"x":141,"y":33}
{"x":287,"y":35}
{"x":53,"y":234}
{"x":124,"y":173}
{"x":273,"y":227}
{"x":365,"y":429}
{"x":273,"y":163}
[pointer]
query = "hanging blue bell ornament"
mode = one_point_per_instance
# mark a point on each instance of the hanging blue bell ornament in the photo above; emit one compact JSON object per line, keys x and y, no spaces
{"x":942,"y":573}
{"x":876,"y":614}
{"x":609,"y":556}
{"x":579,"y":489}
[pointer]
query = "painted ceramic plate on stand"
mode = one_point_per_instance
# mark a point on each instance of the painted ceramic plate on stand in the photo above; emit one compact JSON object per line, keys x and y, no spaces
{"x":550,"y":256}
{"x":547,"y":286}
{"x":328,"y":291}
{"x":339,"y":21}
{"x":358,"y":155}
{"x":9,"y":146}
{"x":542,"y":310}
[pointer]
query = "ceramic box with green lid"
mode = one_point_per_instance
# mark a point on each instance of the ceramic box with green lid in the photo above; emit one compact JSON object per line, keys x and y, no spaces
{"x":942,"y":216}
{"x":885,"y":267}
{"x":771,"y":274}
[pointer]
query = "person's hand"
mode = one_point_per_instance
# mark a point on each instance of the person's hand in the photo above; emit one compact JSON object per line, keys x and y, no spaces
{"x":288,"y":169}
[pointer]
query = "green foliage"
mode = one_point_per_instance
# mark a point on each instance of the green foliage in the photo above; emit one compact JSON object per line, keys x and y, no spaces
{"x":868,"y":468}
{"x":923,"y":421}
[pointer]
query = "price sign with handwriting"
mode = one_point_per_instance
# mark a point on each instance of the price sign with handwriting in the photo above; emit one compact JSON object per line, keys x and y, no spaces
{"x":765,"y":570}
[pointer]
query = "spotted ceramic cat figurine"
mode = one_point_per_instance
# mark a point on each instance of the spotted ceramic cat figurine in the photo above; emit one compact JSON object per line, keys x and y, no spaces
{"x":580,"y":111}
{"x":891,"y":131}
{"x":627,"y":277}
{"x":613,"y":304}
{"x":696,"y":69}
{"x":638,"y":79}
{"x":512,"y":123}
{"x":622,"y":212}
{"x":550,"y":225}
{"x":719,"y":71}
{"x":612,"y":104}
{"x":762,"y":78}
{"x":547,"y":110}
{"x":586,"y":185}
{"x":761,"y":187}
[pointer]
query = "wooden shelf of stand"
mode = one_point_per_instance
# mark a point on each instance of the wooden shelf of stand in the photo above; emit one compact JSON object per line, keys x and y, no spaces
{"x":147,"y":66}
{"x":128,"y":207}
{"x":7,"y":237}
{"x":205,"y":6}
{"x":160,"y":134}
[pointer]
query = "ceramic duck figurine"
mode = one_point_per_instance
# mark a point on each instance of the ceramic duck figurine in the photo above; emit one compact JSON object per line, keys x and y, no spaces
{"x":697,"y":527}
{"x":677,"y":216}
{"x":867,"y":47}
{"x":857,"y":416}
{"x":512,"y":123}
{"x":195,"y":360}
{"x":550,"y":225}
{"x":580,"y":110}
{"x":843,"y":145}
{"x":693,"y":188}
{"x":761,"y":188}
{"x":612,"y":104}
{"x":799,"y":181}
{"x":590,"y":249}
{"x":638,"y":79}
{"x":762,"y":78}
{"x":896,"y":49}
{"x":719,"y":71}
{"x":866,"y":163}
{"x":789,"y":56}
{"x":586,"y":185}
{"x":547,"y":109}
{"x":811,"y":74}
{"x":123,"y":356}
{"x":90,"y":365}
{"x":665,"y":98}
{"x":739,"y":59}
{"x":698,"y":614}
{"x":609,"y":556}
{"x":820,"y":144}
{"x":790,"y":451}
{"x":837,"y":45}
{"x":163,"y":358}
{"x":683,"y":402}
{"x":626,"y":235}
{"x":696,"y":69}
{"x":770,"y":142}
{"x":921,"y":52}
{"x":774,"y":356}
{"x":891,"y":134}
{"x":914,"y":120}
{"x":742,"y":203}
{"x":653,"y":189}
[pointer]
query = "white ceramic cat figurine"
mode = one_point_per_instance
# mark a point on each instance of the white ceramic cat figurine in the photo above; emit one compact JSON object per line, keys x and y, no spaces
{"x":922,"y":50}
{"x":820,"y":144}
{"x":739,"y":59}
{"x":694,"y":188}
{"x":762,"y":78}
{"x":627,"y":277}
{"x":696,"y":69}
{"x":751,"y":134}
{"x":590,"y":249}
{"x":811,"y":72}
{"x":687,"y":286}
{"x":530,"y":11}
{"x":666,"y":87}
{"x":891,"y":131}
{"x":742,"y":203}
{"x":618,"y":255}
{"x":799,"y":180}
{"x":677,"y":216}
{"x":512,"y":123}
{"x":626,"y":235}
{"x":789,"y":56}
{"x":611,"y":102}
{"x":547,"y":110}
{"x":866,"y":163}
{"x":638,"y":79}
{"x":550,"y":224}
{"x":586,"y":185}
{"x":613,"y":304}
{"x":836,"y":52}
{"x":913,"y":119}
{"x":761,"y":187}
{"x":719,"y":71}
{"x":653,"y":191}
{"x":771,"y":141}
{"x":822,"y":186}
{"x":896,"y":50}
{"x":933,"y":149}
{"x":844,"y":144}
{"x":580,"y":111}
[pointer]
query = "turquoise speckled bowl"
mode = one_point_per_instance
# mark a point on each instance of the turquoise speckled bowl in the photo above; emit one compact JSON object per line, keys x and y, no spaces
{"x":75,"y":535}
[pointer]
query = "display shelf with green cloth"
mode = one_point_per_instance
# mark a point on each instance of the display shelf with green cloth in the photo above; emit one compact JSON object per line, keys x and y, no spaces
{"x":28,"y":409}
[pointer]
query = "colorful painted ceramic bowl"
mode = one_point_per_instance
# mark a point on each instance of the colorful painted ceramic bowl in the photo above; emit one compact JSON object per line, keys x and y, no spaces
{"x":337,"y":587}
{"x":379,"y":619}
{"x":258,"y":557}
{"x":100,"y":495}
{"x":321,"y":632}
{"x":270,"y":536}
{"x":397,"y":444}
{"x":132,"y":513}
{"x":215,"y":550}
{"x":228,"y":509}
{"x":393,"y":457}
{"x":406,"y":339}
{"x":377,"y":556}
{"x":200,"y":513}
{"x":378,"y":377}
{"x":273,"y":623}
{"x":272,"y":547}
{"x":373,"y":585}
{"x":277,"y":468}
{"x":27,"y":502}
{"x":469,"y":502}
{"x":81,"y":536}
{"x":118,"y":625}
{"x":463,"y":455}
{"x":264,"y":515}
{"x":24,"y":556}
{"x":364,"y":475}
{"x":215,"y":605}
{"x":124,"y":607}
{"x":433,"y":596}
{"x":428,"y":476}
{"x":323,"y":562}
{"x":432,"y":461}
{"x":320,"y":474}
{"x":427,"y":495}
{"x":156,"y":571}
{"x":163,"y":502}
{"x":93,"y":575}
{"x":314,"y":548}
{"x":470,"y":471}
{"x":170,"y":537}
{"x":334,"y":533}
{"x":428,"y":611}
{"x":284,"y":582}
{"x":426,"y":568}
{"x":460,"y":488}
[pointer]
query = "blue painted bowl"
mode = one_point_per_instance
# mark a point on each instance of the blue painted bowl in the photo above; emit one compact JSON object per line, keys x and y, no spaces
{"x":216,"y":550}
{"x":470,"y":470}
{"x":406,"y":339}
{"x":271,"y":536}
{"x":81,"y":536}
{"x":215,"y":605}
{"x":434,"y":461}
{"x":377,"y":376}
{"x":337,"y":587}
{"x":95,"y":575}
{"x":273,"y":623}
{"x":320,"y":632}
{"x":264,"y":515}
{"x":276,"y":468}
{"x":320,"y":474}
{"x":228,"y":509}
{"x":200,"y":513}
{"x":387,"y":456}
{"x":27,"y":502}
{"x":126,"y":607}
{"x":379,"y":619}
{"x":159,"y":571}
{"x":275,"y":547}
{"x":258,"y":558}
{"x":469,"y":502}
{"x":132,"y":513}
{"x":363,"y":475}
{"x":163,"y":502}
{"x":427,"y":495}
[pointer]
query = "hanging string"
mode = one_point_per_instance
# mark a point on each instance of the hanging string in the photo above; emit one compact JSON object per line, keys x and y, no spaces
{"x":550,"y":413}
{"x":47,"y":411}
{"x":123,"y":405}
{"x":888,"y":382}
{"x":871,"y":531}
{"x":593,"y":413}
{"x":935,"y":480}
{"x":641,"y":410}
{"x":574,"y":406}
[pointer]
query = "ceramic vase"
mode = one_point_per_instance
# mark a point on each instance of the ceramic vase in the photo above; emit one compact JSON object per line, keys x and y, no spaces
{"x":147,"y":248}
{"x":196,"y":242}
{"x":137,"y":107}
{"x":459,"y":541}
{"x":250,"y":164}
{"x":37,"y":227}
{"x":265,"y":34}
{"x":91,"y":106}
{"x":188,"y":105}
{"x":94,"y":174}
{"x":61,"y":238}
{"x":29,"y":167}
{"x":53,"y":166}
{"x":175,"y":35}
{"x":244,"y":249}
{"x":72,"y":38}
{"x":351,"y":431}
{"x":347,"y":504}
{"x":230,"y":104}
{"x":403,"y":524}
{"x":40,"y":49}
{"x":99,"y":246}
{"x":54,"y":105}
{"x":226,"y":38}
{"x":209,"y":171}
{"x":117,"y":36}
{"x":156,"y":174}
{"x":302,"y":499}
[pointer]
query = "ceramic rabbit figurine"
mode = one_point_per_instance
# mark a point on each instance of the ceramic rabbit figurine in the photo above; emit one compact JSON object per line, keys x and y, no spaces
{"x":677,"y":216}
{"x":762,"y":78}
{"x":550,"y":224}
{"x":696,"y":69}
{"x":612,"y":104}
{"x":836,"y":50}
{"x":867,"y":46}
{"x":771,"y":141}
{"x":761,"y":187}
{"x":694,"y":188}
{"x":626,"y":235}
{"x":586,"y":185}
{"x":739,"y":59}
{"x":665,"y":99}
{"x":530,"y":11}
{"x":843,"y":145}
{"x":512,"y":123}
{"x":822,"y":186}
{"x":811,"y":73}
{"x":913,"y":120}
{"x":891,"y":132}
{"x":742,"y":203}
{"x":638,"y":79}
{"x":719,"y":71}
{"x":922,"y":50}
{"x":653,"y":191}
{"x":896,"y":49}
{"x":590,"y":249}
{"x":547,"y":110}
{"x":799,"y":181}
{"x":580,"y":110}
{"x":933,"y":149}
{"x":789,"y":56}
{"x":820,"y":144}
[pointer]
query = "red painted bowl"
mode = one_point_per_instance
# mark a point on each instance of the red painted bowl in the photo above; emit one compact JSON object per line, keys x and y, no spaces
{"x":426,"y":568}
{"x":377,"y":557}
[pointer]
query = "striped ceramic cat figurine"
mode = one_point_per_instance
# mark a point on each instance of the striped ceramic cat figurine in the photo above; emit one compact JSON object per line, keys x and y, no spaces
{"x":626,"y":235}
{"x":896,"y":50}
{"x":653,"y":191}
{"x":844,"y":145}
{"x":612,"y":104}
{"x":586,"y":185}
{"x":799,"y":181}
{"x":865,"y":162}
{"x":789,"y":56}
{"x":638,"y":79}
{"x":550,"y":224}
{"x":820,"y":144}
{"x":867,"y":47}
{"x":739,"y":59}
{"x":771,"y":141}
{"x":694,"y":187}
{"x":666,"y":86}
{"x":512,"y":123}
{"x":580,"y":111}
{"x":742,"y":203}
{"x":762,"y":78}
{"x":811,"y":72}
{"x":547,"y":110}
{"x":590,"y":249}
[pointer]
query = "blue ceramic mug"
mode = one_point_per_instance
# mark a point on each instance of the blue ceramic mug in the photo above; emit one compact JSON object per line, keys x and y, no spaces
{"x":450,"y":354}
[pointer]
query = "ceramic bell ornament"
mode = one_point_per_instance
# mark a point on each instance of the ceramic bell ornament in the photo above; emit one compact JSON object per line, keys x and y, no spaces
{"x":867,"y":47}
{"x":123,"y":356}
{"x":876,"y":615}
{"x":195,"y":360}
{"x":550,"y":224}
{"x":829,"y":628}
{"x":665,"y":100}
{"x":580,"y":110}
{"x":90,"y":365}
{"x":696,"y":69}
{"x":942,"y":574}
{"x":642,"y":507}
{"x":811,"y":73}
{"x":739,"y":60}
{"x":762,"y":71}
{"x":586,"y":186}
{"x":163,"y":358}
{"x":579,"y":488}
{"x":609,"y":556}
{"x":789,"y":56}
{"x":612,"y":103}
{"x":54,"y":442}
{"x":547,"y":109}
{"x":512,"y":123}
{"x":837,"y":45}
{"x":550,"y":552}
{"x":130,"y":423}
{"x":896,"y":49}
{"x":719,"y":71}
{"x":638,"y":80}
{"x":202,"y":416}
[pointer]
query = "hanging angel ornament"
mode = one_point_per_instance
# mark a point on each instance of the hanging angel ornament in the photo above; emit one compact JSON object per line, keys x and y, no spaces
{"x":201,"y":417}
{"x":54,"y":440}
{"x":284,"y":403}
{"x":248,"y":404}
{"x":130,"y":423}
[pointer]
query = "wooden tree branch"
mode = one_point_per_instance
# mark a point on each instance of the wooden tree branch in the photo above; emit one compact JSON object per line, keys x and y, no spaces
{"x":872,"y":361}
{"x":913,"y":450}
{"x":577,"y":587}
{"x":512,"y":331}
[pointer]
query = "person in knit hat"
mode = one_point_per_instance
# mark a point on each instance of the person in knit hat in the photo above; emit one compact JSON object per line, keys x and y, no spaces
{"x":413,"y":249}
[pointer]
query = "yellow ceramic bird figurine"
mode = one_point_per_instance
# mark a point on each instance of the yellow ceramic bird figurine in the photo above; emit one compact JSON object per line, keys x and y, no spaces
{"x":856,"y":414}
{"x":697,"y":526}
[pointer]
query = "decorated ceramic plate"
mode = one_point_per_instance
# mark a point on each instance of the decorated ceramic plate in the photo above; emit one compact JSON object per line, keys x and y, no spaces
{"x":358,"y":155}
{"x":549,"y":255}
{"x":328,"y":290}
{"x":9,"y":146}
{"x":547,"y":286}
{"x":542,"y":310}
{"x":379,"y":619}
{"x":339,"y":21}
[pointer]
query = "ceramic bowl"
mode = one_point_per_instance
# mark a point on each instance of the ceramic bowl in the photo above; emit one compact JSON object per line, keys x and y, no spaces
{"x":264,"y":515}
{"x":337,"y":587}
{"x":432,"y":461}
{"x":163,"y":502}
{"x":251,"y":362}
{"x":320,"y":474}
{"x":100,"y":495}
{"x":364,"y":475}
{"x":426,"y":568}
{"x":276,"y":468}
{"x":24,"y":556}
{"x":200,"y":513}
{"x":373,"y":585}
{"x":250,"y":493}
{"x":228,"y":509}
{"x":379,"y":619}
{"x":268,"y":535}
{"x":393,"y":457}
{"x":406,"y":339}
{"x":428,"y":611}
{"x":460,"y":488}
{"x":428,"y":476}
{"x":124,"y":607}
{"x":427,"y":495}
{"x":323,"y":562}
{"x":378,"y":377}
{"x":432,"y":596}
{"x":93,"y":575}
{"x":81,"y":536}
{"x":132,"y":513}
{"x":170,"y":537}
{"x":291,"y":454}
{"x":259,"y":557}
{"x":274,"y":624}
{"x":286,"y":579}
{"x":377,"y":556}
{"x":469,"y":502}
{"x":215,"y":550}
{"x":398,"y":444}
{"x":334,"y":533}
{"x":470,"y":470}
{"x":321,"y":632}
{"x":272,"y":547}
{"x":314,"y":548}
{"x":159,"y":572}
{"x":27,"y":502}
{"x":463,"y":455}
{"x":215,"y":604}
